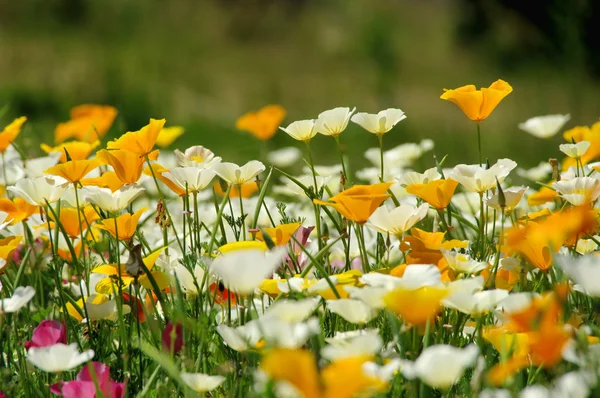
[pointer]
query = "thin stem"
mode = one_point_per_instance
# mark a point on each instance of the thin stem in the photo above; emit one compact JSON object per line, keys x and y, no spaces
{"x":479,"y":142}
{"x":242,"y":218}
{"x":339,"y":147}
{"x":317,"y":208}
{"x":380,"y":137}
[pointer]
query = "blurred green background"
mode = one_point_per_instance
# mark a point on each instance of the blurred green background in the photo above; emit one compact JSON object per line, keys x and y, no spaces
{"x":203,"y":63}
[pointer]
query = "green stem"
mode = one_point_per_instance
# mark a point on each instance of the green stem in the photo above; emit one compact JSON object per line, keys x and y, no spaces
{"x":339,"y":147}
{"x":479,"y":143}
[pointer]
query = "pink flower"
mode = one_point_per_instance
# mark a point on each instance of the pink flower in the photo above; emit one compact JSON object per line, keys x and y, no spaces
{"x":84,"y":386}
{"x":48,"y":333}
{"x":170,"y":344}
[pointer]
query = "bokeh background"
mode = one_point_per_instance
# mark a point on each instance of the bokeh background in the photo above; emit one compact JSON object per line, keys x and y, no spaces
{"x":203,"y":63}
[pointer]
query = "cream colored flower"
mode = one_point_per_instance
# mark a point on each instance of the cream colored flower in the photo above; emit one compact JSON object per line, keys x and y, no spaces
{"x":284,"y":157}
{"x":379,"y":123}
{"x":197,"y":156}
{"x":58,"y":357}
{"x":237,"y":175}
{"x":201,"y":382}
{"x":545,"y":126}
{"x":575,"y":151}
{"x":579,"y":190}
{"x":36,"y":191}
{"x":512,"y":197}
{"x":476,"y":178}
{"x":397,"y":221}
{"x":334,"y":121}
{"x":352,"y":310}
{"x":301,"y":130}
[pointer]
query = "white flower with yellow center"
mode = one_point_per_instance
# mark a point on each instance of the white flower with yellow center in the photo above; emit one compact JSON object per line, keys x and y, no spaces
{"x":334,"y":121}
{"x":578,"y":191}
{"x":379,"y":123}
{"x":575,"y":151}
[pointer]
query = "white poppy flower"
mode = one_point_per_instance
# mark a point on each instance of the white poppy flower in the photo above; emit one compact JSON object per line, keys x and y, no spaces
{"x":293,"y":310}
{"x":381,"y":122}
{"x":413,"y":177}
{"x":186,"y":279}
{"x":372,"y":296}
{"x":36,"y":191}
{"x":584,"y":270}
{"x":460,"y":262}
{"x":99,"y":307}
{"x":544,"y":126}
{"x":107,"y":200}
{"x":512,"y":197}
{"x":476,"y":178}
{"x":192,"y":178}
{"x":237,"y":175}
{"x":352,"y":310}
{"x":537,"y":173}
{"x":365,"y":344}
{"x":440,"y":366}
{"x":334,"y":121}
{"x":283,"y":334}
{"x":3,"y":221}
{"x":235,"y":338}
{"x":575,"y":151}
{"x":244,"y":270}
{"x":201,"y":382}
{"x":586,"y":246}
{"x":301,"y":130}
{"x":197,"y":156}
{"x":58,"y":357}
{"x":284,"y":157}
{"x":475,"y":303}
{"x":20,"y":298}
{"x":579,"y":190}
{"x":397,"y":221}
{"x":35,"y":167}
{"x":385,"y":373}
{"x":414,"y":277}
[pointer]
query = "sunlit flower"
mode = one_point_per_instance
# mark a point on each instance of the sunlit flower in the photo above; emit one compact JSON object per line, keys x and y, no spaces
{"x":475,"y":303}
{"x":578,"y":191}
{"x":87,"y":123}
{"x":293,"y":310}
{"x":477,"y":105}
{"x":284,"y":157}
{"x":537,"y":173}
{"x":334,"y":121}
{"x":38,"y":191}
{"x":7,"y":247}
{"x":301,"y":130}
{"x":416,"y":306}
{"x":244,"y":270}
{"x":462,"y":263}
{"x":545,"y":126}
{"x":108,"y":179}
{"x":17,"y":209}
{"x":263,"y":123}
{"x":413,"y":177}
{"x":77,"y":150}
{"x":441,"y":366}
{"x":359,"y":202}
{"x":140,"y":142}
{"x":122,"y":227}
{"x":197,"y":156}
{"x":584,"y":270}
{"x":168,"y":135}
{"x":21,"y":296}
{"x":476,"y":178}
{"x":69,"y":219}
{"x":297,"y":367}
{"x":188,"y":281}
{"x":281,"y":234}
{"x":10,"y":133}
{"x":201,"y":382}
{"x":438,"y":193}
{"x":575,"y":151}
{"x":238,"y":175}
{"x":48,"y":332}
{"x":544,"y":195}
{"x":73,"y":171}
{"x":58,"y":357}
{"x":425,"y":247}
{"x":355,"y":344}
{"x":107,"y":200}
{"x":381,"y":122}
{"x":398,"y":220}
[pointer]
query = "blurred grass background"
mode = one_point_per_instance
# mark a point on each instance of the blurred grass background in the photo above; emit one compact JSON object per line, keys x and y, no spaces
{"x":203,"y":63}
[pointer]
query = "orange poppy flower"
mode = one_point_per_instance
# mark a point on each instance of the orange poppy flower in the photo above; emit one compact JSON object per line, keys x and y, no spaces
{"x":477,"y":105}
{"x":74,"y":170}
{"x":438,"y":193}
{"x":416,"y":306}
{"x":544,"y":195}
{"x":69,"y":219}
{"x":78,"y":150}
{"x":359,"y":202}
{"x":281,"y":234}
{"x":10,"y":133}
{"x":126,"y":225}
{"x":139,"y":142}
{"x":262,"y":124}
{"x":18,"y":209}
{"x":108,"y":180}
{"x":88,"y":123}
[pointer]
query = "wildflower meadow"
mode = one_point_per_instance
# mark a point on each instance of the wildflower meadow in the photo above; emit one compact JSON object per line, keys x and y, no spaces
{"x":129,"y":268}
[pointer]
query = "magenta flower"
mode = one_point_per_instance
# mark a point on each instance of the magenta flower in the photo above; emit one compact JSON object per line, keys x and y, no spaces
{"x":170,"y":344}
{"x":84,"y":386}
{"x":48,"y":333}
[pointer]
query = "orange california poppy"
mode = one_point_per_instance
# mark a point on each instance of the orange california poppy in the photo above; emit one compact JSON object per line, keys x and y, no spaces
{"x":359,"y":202}
{"x":74,"y":170}
{"x":77,"y":150}
{"x":478,"y":104}
{"x":88,"y":123}
{"x":262,"y":124}
{"x":10,"y":133}
{"x":140,"y":142}
{"x":126,"y":225}
{"x":17,"y":209}
{"x":127,"y":165}
{"x":438,"y":193}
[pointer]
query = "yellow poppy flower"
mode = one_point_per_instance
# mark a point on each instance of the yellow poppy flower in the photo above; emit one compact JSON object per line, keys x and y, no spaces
{"x":108,"y":180}
{"x":544,"y":195}
{"x":7,"y":247}
{"x":438,"y":193}
{"x":345,"y":378}
{"x":74,"y":170}
{"x":88,"y":123}
{"x":416,"y":306}
{"x":110,"y":285}
{"x":69,"y":219}
{"x":139,"y":142}
{"x":262,"y":124}
{"x":17,"y":209}
{"x":478,"y":104}
{"x":168,"y":135}
{"x":127,"y":165}
{"x":126,"y":224}
{"x":359,"y":202}
{"x":281,"y":234}
{"x":78,"y":150}
{"x":242,"y":245}
{"x":297,"y":367}
{"x":10,"y":133}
